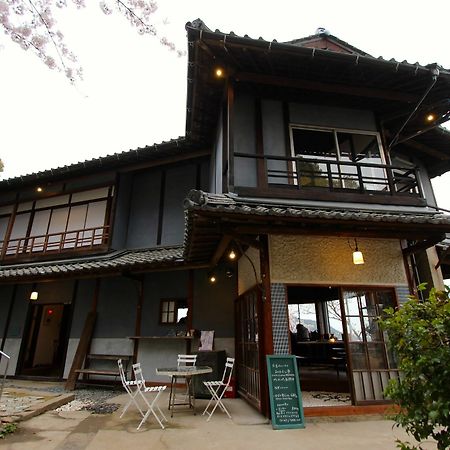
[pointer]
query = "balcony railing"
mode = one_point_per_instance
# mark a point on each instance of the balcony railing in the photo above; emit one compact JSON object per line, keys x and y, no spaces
{"x":305,"y":174}
{"x":64,"y":241}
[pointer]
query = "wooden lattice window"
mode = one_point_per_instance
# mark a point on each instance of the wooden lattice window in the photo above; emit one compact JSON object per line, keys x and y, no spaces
{"x":173,"y":311}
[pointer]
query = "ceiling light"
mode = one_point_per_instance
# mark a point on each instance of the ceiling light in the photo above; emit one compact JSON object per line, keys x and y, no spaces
{"x":34,"y":295}
{"x":219,"y":72}
{"x":232,"y":254}
{"x":431,"y":118}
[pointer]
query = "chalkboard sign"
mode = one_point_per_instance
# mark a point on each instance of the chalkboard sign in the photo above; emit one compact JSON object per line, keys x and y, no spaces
{"x":284,"y":392}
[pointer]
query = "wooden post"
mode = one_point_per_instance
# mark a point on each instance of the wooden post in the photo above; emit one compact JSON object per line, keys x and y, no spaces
{"x":85,"y":341}
{"x":138,"y":325}
{"x":267,"y":340}
{"x":9,"y":228}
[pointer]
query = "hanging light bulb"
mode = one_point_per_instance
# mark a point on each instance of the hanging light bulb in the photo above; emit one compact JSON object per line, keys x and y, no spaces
{"x":212,"y":277}
{"x":358,"y":257}
{"x":34,"y":295}
{"x":232,"y":254}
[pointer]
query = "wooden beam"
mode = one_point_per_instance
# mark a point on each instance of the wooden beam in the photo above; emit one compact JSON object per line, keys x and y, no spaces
{"x":223,"y":244}
{"x":423,"y":245}
{"x":327,"y":87}
{"x":427,"y":150}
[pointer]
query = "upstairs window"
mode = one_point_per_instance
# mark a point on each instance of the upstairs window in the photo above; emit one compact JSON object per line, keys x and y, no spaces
{"x":338,"y":158}
{"x":61,"y":223}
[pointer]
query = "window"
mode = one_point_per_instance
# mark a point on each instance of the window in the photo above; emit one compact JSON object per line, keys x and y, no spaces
{"x":335,"y":158}
{"x":173,"y":311}
{"x":62,"y":222}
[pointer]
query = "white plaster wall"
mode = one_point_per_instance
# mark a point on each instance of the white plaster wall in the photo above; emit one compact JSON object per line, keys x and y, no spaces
{"x":112,"y":346}
{"x":436,"y":274}
{"x":246,"y":278}
{"x":12,"y":349}
{"x":328,"y":260}
{"x":71,"y":350}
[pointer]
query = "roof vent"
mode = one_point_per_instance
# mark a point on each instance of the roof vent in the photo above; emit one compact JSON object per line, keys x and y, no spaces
{"x":322,"y":30}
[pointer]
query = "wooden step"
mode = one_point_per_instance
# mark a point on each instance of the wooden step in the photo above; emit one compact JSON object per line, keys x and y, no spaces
{"x":98,"y":372}
{"x":109,"y":357}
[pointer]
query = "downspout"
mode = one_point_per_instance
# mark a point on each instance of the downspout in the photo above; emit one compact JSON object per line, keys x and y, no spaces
{"x":435,"y":75}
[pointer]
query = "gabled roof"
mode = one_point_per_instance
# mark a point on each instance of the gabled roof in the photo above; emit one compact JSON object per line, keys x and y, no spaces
{"x":167,"y":149}
{"x":301,"y":70}
{"x":326,"y":41}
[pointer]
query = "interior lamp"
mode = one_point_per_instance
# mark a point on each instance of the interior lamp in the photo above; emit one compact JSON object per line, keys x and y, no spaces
{"x":358,"y":257}
{"x":430,"y":117}
{"x":212,"y":277}
{"x":219,"y":72}
{"x":232,"y":254}
{"x":34,"y":295}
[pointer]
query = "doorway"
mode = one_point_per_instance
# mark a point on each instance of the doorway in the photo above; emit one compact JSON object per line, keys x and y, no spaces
{"x":45,"y":342}
{"x":317,"y":338}
{"x":338,"y":343}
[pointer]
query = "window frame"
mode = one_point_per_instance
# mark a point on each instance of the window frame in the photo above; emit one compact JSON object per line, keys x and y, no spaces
{"x":180,"y":303}
{"x":334,"y":131}
{"x":32,"y":208}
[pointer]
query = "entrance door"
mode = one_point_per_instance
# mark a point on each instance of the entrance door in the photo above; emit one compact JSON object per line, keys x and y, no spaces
{"x":248,"y":351}
{"x":43,"y":354}
{"x":371,"y":363}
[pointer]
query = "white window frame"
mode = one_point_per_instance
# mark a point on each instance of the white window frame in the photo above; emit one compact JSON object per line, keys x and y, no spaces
{"x":333,"y":130}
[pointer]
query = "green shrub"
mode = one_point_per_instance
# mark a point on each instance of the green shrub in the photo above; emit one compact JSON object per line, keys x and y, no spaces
{"x":7,"y":428}
{"x":419,"y":333}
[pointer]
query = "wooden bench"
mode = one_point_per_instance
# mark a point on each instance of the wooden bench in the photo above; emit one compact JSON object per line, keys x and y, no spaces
{"x":113,"y":371}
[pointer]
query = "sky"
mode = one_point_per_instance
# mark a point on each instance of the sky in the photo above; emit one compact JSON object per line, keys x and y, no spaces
{"x":134,"y":89}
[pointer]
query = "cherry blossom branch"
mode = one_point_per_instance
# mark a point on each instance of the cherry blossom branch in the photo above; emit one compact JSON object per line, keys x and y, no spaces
{"x":49,"y":33}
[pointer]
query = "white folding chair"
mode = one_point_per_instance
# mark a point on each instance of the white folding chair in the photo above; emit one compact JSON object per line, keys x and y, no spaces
{"x":217,"y":390}
{"x":182,"y":360}
{"x":151,"y":405}
{"x":131,"y":389}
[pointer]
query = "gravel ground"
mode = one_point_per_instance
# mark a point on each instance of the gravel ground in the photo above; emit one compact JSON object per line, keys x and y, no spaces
{"x":92,"y":399}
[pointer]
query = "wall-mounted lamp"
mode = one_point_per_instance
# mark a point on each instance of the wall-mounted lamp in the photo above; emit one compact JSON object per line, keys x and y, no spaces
{"x":34,"y":295}
{"x":358,"y":257}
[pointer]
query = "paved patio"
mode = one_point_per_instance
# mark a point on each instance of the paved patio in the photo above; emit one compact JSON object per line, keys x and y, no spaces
{"x":76,"y":430}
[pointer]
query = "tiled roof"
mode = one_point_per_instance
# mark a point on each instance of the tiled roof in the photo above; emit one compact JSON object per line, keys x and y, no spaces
{"x":200,"y":25}
{"x":173,"y":147}
{"x":226,"y":203}
{"x":111,"y":263}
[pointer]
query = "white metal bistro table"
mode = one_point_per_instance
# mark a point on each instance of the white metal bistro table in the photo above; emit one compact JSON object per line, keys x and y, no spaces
{"x":187,"y":372}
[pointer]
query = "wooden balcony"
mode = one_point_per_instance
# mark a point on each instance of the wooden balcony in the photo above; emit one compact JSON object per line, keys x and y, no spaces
{"x":327,"y":179}
{"x":33,"y":247}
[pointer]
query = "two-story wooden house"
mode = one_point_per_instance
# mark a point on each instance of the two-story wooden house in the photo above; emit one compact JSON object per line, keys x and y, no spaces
{"x":297,"y":207}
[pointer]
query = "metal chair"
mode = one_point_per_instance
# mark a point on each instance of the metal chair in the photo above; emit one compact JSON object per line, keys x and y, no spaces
{"x":217,"y":390}
{"x":182,"y":360}
{"x":131,"y":388}
{"x":152,"y":406}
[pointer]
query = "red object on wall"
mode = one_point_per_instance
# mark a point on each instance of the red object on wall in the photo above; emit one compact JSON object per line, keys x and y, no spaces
{"x":231,"y":389}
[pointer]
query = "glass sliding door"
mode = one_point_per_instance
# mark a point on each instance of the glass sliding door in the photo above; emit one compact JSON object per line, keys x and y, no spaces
{"x":371,"y":364}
